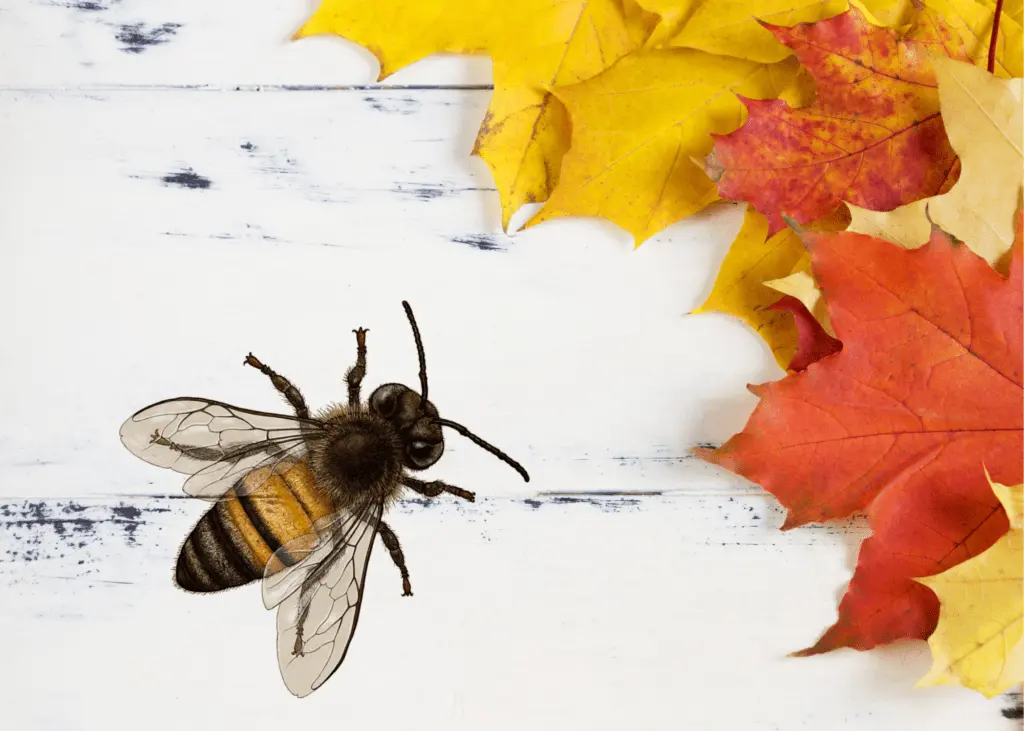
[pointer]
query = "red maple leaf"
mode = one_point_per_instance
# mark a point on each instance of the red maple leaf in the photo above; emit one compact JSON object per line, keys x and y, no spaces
{"x":812,"y":342}
{"x":872,"y":137}
{"x":925,"y":394}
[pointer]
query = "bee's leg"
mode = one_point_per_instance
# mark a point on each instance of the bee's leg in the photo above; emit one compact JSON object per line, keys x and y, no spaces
{"x":355,"y":374}
{"x":391,"y":543}
{"x":435,"y":488}
{"x":283,"y":385}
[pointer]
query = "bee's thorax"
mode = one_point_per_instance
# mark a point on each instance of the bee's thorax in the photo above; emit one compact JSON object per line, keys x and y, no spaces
{"x":360,"y":455}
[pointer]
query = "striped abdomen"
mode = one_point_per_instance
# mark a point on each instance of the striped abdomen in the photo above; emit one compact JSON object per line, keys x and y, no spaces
{"x":232,"y":544}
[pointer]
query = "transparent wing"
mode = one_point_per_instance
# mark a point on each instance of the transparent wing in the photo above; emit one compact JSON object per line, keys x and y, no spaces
{"x":294,"y":561}
{"x":248,"y":468}
{"x":318,"y":595}
{"x":214,"y":442}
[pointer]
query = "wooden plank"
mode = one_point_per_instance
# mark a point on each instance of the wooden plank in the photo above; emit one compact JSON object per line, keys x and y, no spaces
{"x":71,"y":43}
{"x":72,"y":539}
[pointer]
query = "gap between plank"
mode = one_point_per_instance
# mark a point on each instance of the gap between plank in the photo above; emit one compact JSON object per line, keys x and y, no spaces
{"x":242,"y":88}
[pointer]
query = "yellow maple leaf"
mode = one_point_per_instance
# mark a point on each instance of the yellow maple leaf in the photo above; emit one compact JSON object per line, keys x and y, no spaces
{"x":983,"y":119}
{"x":733,"y":27}
{"x":800,"y":284}
{"x":636,"y":127}
{"x":972,"y":21}
{"x":977,"y":642}
{"x":534,"y":44}
{"x":1014,"y":9}
{"x":753,"y":258}
{"x":907,"y":225}
{"x":975,"y":28}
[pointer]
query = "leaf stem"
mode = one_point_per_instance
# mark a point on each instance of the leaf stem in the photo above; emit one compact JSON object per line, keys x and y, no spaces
{"x":992,"y":43}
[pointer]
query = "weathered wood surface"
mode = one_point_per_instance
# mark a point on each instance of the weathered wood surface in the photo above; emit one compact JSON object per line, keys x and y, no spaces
{"x":181,"y":186}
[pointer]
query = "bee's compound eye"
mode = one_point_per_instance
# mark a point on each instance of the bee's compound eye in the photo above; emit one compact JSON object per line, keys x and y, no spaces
{"x":421,"y":450}
{"x":385,"y":399}
{"x":421,"y":453}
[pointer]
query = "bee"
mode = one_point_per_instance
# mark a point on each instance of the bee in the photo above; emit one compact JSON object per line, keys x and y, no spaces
{"x":299,"y":499}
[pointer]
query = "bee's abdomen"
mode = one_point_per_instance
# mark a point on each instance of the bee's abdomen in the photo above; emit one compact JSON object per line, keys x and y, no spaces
{"x":213,"y":558}
{"x":234,"y":541}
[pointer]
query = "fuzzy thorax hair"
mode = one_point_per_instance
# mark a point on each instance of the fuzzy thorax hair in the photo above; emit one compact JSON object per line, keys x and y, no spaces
{"x":359,"y":457}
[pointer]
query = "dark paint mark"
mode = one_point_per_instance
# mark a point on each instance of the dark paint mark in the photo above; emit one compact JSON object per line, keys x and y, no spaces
{"x":430,"y":192}
{"x":70,"y":528}
{"x":627,"y":461}
{"x":602,"y":493}
{"x":27,"y":556}
{"x":369,"y":87}
{"x":128,"y":512}
{"x":566,"y":500}
{"x":1016,"y":711}
{"x":129,"y":532}
{"x":187,"y":178}
{"x":250,"y":88}
{"x":483,"y":242}
{"x":84,"y":524}
{"x":90,"y":6}
{"x":610,"y":503}
{"x":425,"y":502}
{"x":136,"y":37}
{"x":391,"y":105}
{"x":424,"y":194}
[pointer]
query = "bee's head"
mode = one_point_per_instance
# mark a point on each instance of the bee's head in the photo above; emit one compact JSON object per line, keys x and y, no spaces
{"x":416,"y":420}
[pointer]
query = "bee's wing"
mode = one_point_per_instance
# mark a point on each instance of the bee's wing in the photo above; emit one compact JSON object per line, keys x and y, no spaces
{"x":319,"y":595}
{"x":214,"y":442}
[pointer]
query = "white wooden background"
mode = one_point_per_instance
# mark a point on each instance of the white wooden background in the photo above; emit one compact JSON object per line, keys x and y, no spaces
{"x":181,"y":185}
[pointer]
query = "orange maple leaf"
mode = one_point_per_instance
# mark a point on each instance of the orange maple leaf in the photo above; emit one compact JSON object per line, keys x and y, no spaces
{"x":926,"y":390}
{"x":872,"y":137}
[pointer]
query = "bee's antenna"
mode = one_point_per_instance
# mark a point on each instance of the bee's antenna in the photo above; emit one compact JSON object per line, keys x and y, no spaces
{"x":419,"y":352}
{"x":481,"y":443}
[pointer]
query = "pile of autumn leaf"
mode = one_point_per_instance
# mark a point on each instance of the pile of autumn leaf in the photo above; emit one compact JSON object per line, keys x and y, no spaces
{"x":880,"y":255}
